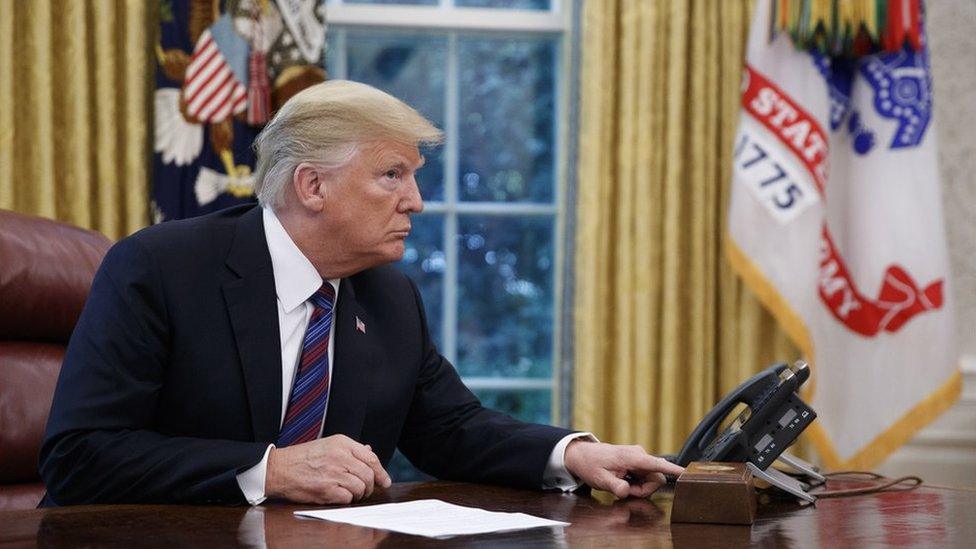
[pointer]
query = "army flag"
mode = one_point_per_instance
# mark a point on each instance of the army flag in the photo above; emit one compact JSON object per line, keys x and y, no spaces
{"x":223,"y":67}
{"x":836,"y":223}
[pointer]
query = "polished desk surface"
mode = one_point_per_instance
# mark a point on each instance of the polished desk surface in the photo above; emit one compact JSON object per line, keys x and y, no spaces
{"x":928,"y":516}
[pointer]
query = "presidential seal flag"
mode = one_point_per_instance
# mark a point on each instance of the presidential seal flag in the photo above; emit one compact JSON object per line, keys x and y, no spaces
{"x":836,"y":223}
{"x":223,"y":68}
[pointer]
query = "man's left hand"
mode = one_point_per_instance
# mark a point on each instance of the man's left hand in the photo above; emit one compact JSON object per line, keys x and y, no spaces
{"x":604,"y":466}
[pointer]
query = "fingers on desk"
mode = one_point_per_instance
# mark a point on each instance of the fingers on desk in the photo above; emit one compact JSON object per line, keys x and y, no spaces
{"x":608,"y":481}
{"x":647,"y":486}
{"x":646,"y":463}
{"x":367,"y":456}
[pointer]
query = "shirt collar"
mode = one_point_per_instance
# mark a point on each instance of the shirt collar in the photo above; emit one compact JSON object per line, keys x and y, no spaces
{"x":295,"y":277}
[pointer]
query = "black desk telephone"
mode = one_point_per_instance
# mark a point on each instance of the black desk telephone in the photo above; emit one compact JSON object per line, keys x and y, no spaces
{"x":772,"y":420}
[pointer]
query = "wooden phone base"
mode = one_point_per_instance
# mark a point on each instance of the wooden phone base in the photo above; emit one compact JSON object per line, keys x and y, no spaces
{"x":715,"y":493}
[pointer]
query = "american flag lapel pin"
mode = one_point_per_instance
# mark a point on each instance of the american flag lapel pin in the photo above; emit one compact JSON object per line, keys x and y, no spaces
{"x":360,"y":325}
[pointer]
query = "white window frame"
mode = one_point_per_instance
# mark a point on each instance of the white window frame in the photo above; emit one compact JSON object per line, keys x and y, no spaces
{"x":450,"y":20}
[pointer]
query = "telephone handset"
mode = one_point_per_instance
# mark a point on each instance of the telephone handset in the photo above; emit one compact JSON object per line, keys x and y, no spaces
{"x":772,"y":420}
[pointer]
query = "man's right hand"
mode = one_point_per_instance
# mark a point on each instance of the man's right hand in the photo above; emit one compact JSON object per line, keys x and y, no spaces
{"x":329,"y":470}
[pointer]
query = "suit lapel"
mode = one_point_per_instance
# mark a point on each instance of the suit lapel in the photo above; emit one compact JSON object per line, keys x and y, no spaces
{"x":252,"y":307}
{"x":352,"y":368}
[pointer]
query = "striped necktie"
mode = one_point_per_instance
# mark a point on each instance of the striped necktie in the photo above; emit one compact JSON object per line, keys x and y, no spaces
{"x":310,"y":393}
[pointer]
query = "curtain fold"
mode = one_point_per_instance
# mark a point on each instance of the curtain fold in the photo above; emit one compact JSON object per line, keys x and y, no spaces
{"x":74,"y":90}
{"x":663,"y":327}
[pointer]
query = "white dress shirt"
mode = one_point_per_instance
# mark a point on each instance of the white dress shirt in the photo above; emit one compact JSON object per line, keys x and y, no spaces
{"x":296,"y":280}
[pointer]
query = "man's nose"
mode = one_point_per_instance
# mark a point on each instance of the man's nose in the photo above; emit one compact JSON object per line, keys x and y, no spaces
{"x":412,"y":202}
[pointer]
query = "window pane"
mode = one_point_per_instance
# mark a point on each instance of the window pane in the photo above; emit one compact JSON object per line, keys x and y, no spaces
{"x":533,"y":405}
{"x":410,"y":67}
{"x":505,"y":296}
{"x":413,"y":2}
{"x":507,"y":119}
{"x":401,"y":470}
{"x":424,"y":262}
{"x":507,"y":4}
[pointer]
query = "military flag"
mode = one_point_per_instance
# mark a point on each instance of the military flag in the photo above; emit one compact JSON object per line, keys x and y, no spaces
{"x":836,"y":223}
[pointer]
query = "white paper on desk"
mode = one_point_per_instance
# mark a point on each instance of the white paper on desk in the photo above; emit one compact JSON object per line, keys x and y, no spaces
{"x":430,"y":517}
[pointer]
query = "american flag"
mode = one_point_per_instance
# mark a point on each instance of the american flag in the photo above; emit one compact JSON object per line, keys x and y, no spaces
{"x":211,"y":91}
{"x":360,"y":325}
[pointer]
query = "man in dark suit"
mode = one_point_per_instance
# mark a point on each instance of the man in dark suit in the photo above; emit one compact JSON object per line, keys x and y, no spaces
{"x":270,"y":351}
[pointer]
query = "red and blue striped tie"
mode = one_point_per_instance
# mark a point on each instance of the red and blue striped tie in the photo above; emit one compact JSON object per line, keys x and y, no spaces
{"x":310,"y":393}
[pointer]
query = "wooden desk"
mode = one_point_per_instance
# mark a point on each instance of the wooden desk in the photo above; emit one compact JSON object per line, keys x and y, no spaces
{"x":928,"y":516}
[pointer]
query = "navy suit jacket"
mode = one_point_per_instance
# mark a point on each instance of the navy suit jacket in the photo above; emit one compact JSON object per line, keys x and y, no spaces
{"x":171,"y":384}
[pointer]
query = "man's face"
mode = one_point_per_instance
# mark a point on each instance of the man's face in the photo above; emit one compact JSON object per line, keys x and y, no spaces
{"x":369,"y":202}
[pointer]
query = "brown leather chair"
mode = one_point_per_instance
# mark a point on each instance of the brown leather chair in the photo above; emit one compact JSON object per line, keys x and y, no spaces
{"x":46,"y":270}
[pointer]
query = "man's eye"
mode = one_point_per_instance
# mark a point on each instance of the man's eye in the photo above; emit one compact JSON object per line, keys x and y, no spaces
{"x":392,"y":174}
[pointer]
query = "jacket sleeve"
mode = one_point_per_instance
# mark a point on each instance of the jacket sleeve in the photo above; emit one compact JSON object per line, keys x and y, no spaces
{"x":100,"y":446}
{"x":450,"y":435}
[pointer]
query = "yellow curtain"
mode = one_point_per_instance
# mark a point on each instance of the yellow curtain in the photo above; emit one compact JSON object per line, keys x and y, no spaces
{"x":75,"y":83}
{"x":663,"y":327}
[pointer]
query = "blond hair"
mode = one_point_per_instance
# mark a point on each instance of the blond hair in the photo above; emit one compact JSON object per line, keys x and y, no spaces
{"x":324,"y":125}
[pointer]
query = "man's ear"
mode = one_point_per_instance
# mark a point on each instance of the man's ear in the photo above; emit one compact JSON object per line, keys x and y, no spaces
{"x":310,"y":186}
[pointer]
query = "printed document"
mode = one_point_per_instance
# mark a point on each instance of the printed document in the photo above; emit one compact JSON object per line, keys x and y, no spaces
{"x":430,"y":517}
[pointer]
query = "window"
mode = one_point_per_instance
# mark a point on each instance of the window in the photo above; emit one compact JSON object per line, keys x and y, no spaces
{"x":487,"y":252}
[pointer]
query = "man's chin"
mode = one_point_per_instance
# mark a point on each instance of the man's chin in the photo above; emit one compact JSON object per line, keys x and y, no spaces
{"x":392,"y":252}
{"x":398,"y":254}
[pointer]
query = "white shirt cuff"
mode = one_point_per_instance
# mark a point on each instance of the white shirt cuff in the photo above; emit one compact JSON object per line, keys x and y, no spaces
{"x":556,"y":476}
{"x":252,"y":480}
